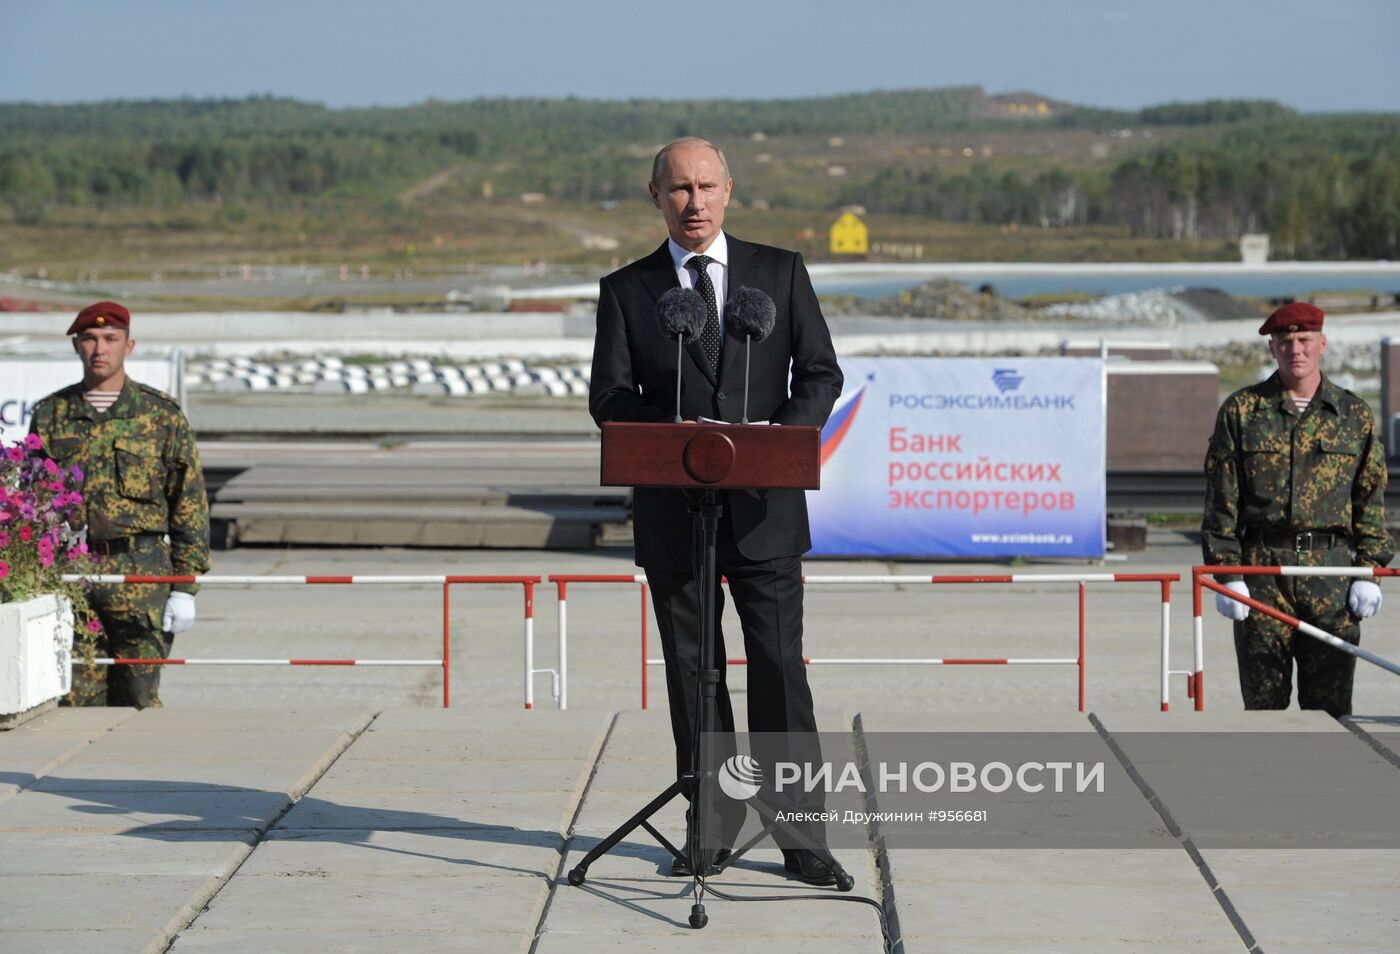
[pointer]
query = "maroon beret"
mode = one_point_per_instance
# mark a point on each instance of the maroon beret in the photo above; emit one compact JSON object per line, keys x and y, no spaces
{"x":1295,"y":316}
{"x":103,"y":314}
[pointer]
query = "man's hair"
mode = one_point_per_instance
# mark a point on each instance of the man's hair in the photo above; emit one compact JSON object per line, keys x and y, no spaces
{"x":663,"y":156}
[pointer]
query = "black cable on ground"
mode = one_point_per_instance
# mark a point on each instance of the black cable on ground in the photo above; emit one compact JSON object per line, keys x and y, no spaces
{"x":850,"y":899}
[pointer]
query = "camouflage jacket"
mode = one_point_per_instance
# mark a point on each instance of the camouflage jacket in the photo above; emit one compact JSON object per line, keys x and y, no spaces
{"x":141,"y":467}
{"x":1270,"y":469}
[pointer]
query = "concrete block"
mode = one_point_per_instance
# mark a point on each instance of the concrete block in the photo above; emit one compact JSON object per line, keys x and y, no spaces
{"x":157,"y":774}
{"x":1022,"y":915}
{"x":464,"y":747}
{"x":469,"y":777}
{"x":23,"y":745}
{"x":479,"y":852}
{"x":333,"y":905}
{"x":645,"y":778}
{"x":1144,"y":868}
{"x":62,"y":941}
{"x":118,"y":856}
{"x":137,"y":903}
{"x":176,"y":745}
{"x":941,"y":944}
{"x":539,"y":812}
{"x":1317,"y":916}
{"x":141,"y":811}
{"x":356,"y":941}
{"x":96,"y":719}
{"x":573,"y":724}
{"x":1219,"y":719}
{"x":883,"y":720}
{"x":271,"y":720}
{"x":25,"y":758}
{"x":1366,"y":869}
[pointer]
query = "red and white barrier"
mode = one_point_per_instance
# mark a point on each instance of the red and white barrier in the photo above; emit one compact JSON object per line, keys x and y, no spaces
{"x":1164,"y":580}
{"x":1199,"y":581}
{"x":446,"y":582}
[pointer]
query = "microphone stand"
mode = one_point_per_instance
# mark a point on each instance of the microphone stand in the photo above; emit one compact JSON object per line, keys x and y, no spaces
{"x":748,"y":350}
{"x":699,"y":783}
{"x":680,"y":339}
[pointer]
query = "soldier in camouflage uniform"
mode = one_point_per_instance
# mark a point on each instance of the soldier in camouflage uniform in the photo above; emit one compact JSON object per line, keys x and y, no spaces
{"x":144,"y":499}
{"x":1296,"y":477}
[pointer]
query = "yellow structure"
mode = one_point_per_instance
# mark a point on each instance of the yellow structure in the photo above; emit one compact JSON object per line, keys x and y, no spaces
{"x":849,"y":236}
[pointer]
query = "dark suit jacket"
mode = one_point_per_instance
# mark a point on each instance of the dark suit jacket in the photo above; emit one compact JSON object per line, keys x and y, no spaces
{"x":634,"y":379}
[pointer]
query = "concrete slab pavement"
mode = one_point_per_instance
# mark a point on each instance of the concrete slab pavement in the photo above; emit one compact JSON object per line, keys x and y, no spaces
{"x":442,"y":830}
{"x":261,"y":802}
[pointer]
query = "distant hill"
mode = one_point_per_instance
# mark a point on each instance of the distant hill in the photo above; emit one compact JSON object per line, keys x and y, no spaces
{"x":1324,"y":186}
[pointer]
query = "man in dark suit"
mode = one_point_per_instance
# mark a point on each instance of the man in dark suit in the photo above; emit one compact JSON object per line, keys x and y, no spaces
{"x":794,"y":379}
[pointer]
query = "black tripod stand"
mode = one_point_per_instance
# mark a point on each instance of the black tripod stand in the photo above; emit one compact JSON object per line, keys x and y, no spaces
{"x":699,"y":783}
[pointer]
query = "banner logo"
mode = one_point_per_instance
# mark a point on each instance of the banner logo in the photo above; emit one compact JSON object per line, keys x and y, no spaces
{"x":1006,"y":379}
{"x":740,"y":777}
{"x":840,"y":421}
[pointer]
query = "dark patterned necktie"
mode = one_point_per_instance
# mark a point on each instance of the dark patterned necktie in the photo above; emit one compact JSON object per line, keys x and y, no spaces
{"x":709,"y":337}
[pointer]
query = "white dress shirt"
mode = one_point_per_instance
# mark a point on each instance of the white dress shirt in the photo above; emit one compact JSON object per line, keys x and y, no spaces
{"x":718,"y":270}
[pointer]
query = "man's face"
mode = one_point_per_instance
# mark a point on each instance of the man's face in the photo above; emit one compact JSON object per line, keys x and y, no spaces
{"x":103,"y":351}
{"x":692,"y":194}
{"x":1298,"y":353}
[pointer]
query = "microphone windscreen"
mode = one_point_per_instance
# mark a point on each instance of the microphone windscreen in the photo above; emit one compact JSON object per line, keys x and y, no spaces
{"x":681,"y":311}
{"x":750,"y":312}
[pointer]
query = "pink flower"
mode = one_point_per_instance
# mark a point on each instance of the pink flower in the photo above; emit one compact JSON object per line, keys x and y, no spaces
{"x":45,"y":548}
{"x":4,"y":539}
{"x":33,"y":441}
{"x":4,"y":569}
{"x":77,"y":473}
{"x":15,"y":454}
{"x":56,"y":486}
{"x":50,"y":467}
{"x":26,"y":532}
{"x":93,"y":626}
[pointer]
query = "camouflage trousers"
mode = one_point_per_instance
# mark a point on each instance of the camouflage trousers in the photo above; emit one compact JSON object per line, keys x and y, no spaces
{"x":131,"y":629}
{"x":1266,"y":649}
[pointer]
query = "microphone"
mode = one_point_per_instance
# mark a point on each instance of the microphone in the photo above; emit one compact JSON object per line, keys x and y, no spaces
{"x":751,"y":313}
{"x":681,"y":312}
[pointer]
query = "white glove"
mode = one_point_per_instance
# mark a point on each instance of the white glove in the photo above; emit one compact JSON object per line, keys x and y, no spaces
{"x":1364,"y":599}
{"x":1232,"y":609}
{"x":179,"y":613}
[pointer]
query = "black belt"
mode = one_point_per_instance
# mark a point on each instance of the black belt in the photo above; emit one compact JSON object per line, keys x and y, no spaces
{"x":1298,"y":542}
{"x":125,"y":544}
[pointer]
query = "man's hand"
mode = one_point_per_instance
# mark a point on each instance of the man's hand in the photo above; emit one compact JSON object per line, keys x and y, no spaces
{"x":179,"y":613}
{"x":1364,"y":599}
{"x":1232,"y":609}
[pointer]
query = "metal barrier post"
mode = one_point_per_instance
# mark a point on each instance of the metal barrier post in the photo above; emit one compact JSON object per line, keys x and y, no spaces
{"x":1303,"y":627}
{"x":644,"y":645}
{"x":446,"y":582}
{"x":563,"y":624}
{"x":529,"y":652}
{"x":446,"y":645}
{"x":1198,"y":643}
{"x":1081,"y":646}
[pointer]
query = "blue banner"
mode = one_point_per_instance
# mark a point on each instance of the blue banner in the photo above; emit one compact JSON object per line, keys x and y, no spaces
{"x":964,"y":457}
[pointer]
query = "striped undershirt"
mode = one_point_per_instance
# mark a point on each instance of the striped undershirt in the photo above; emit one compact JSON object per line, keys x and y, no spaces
{"x":1301,"y":403}
{"x":101,"y":400}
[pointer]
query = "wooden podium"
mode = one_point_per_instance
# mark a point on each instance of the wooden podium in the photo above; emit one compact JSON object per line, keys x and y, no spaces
{"x":712,"y":456}
{"x":701,"y":459}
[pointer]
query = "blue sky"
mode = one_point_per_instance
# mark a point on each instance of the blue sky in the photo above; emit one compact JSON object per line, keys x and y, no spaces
{"x":1337,"y":55}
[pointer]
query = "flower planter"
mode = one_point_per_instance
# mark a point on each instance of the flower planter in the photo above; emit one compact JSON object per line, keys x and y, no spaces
{"x":36,"y":653}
